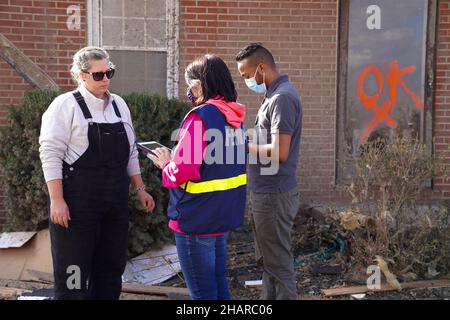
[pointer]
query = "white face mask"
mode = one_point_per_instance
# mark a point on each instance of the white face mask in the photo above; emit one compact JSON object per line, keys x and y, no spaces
{"x":254,"y":86}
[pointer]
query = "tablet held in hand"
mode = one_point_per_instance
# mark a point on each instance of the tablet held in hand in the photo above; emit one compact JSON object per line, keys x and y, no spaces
{"x":148,"y":148}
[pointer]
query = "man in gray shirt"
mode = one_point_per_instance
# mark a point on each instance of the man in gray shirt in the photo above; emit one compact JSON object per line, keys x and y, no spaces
{"x":272,"y":176}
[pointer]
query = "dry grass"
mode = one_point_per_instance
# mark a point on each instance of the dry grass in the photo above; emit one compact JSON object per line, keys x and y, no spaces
{"x":385,"y":219}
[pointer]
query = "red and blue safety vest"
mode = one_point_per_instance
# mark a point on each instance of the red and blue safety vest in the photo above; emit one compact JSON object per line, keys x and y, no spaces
{"x":216,"y":202}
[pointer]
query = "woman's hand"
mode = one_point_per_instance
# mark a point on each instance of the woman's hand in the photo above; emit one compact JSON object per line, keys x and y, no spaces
{"x":59,"y":212}
{"x":146,"y":201}
{"x":162,"y":156}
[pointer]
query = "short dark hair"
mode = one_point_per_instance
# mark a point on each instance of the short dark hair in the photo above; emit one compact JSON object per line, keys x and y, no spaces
{"x":258,"y":54}
{"x":214,"y":76}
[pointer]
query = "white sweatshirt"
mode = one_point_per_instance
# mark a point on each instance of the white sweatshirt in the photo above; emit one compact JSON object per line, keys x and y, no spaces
{"x":64,"y":131}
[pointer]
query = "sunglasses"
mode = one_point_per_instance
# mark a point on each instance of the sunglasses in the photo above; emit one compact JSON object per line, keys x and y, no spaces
{"x":98,"y":76}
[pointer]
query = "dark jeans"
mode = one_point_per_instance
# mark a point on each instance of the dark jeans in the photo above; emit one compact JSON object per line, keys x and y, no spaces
{"x":203,"y":261}
{"x":273,"y":217}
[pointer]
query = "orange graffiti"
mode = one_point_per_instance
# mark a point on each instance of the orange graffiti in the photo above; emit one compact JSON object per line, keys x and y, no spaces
{"x":384,"y":112}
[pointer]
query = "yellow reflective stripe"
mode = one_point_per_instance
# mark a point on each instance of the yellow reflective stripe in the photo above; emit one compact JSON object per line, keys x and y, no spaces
{"x":215,"y":185}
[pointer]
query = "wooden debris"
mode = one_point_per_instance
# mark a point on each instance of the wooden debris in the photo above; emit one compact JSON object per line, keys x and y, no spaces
{"x":126,"y":287}
{"x":24,"y":66}
{"x":177,"y":296}
{"x":41,"y":276}
{"x":7,"y":292}
{"x":153,"y":290}
{"x":387,"y":287}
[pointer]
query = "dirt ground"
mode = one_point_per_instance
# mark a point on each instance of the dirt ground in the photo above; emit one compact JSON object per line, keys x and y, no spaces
{"x":318,"y":265}
{"x":308,"y":262}
{"x":310,"y":282}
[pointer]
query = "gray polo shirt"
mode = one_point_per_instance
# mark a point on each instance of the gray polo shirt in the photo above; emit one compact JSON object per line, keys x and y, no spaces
{"x":280,"y":112}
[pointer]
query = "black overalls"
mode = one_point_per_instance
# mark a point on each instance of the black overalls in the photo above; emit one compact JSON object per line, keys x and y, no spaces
{"x":96,"y":190}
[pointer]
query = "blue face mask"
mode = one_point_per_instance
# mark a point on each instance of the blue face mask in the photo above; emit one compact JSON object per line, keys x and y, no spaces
{"x":191,"y":96}
{"x":254,"y":86}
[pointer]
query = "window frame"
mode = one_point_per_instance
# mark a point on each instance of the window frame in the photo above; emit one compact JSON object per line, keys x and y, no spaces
{"x":94,"y":32}
{"x":342,"y":163}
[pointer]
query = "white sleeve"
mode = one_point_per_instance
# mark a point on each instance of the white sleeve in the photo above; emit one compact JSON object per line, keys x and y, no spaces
{"x":55,"y":134}
{"x":133,"y":163}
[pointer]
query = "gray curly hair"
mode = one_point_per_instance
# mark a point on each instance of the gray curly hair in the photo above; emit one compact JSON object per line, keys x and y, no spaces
{"x":83,"y":58}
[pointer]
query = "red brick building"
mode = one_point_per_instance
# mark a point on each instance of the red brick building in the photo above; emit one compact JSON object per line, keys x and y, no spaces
{"x":319,"y":44}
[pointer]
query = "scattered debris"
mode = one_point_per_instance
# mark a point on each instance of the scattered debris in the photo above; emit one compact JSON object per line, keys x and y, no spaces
{"x":350,"y":219}
{"x":9,"y":293}
{"x":126,"y":287}
{"x":390,"y":277}
{"x":153,"y":267}
{"x":14,"y":239}
{"x":307,"y":210}
{"x":41,"y":276}
{"x":358,"y":296}
{"x":253,"y":283}
{"x":432,"y":273}
{"x":327,"y":269}
{"x":178,"y":296}
{"x":410,"y":276}
{"x":386,"y":287}
{"x":25,"y":250}
{"x":32,"y":298}
{"x":319,"y":246}
{"x":153,"y":290}
{"x":38,"y":294}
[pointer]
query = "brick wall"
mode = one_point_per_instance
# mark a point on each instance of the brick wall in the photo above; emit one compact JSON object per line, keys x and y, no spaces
{"x":442,"y":97}
{"x":302,"y":36}
{"x":37,"y":28}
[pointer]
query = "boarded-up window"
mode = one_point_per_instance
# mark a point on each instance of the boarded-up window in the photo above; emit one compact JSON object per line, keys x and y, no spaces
{"x":386,"y":75}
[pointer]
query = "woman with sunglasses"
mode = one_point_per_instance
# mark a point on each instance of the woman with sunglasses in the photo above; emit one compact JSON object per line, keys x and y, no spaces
{"x":88,"y":158}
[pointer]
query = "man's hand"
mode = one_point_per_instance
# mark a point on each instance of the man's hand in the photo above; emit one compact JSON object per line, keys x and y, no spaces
{"x":278,"y":150}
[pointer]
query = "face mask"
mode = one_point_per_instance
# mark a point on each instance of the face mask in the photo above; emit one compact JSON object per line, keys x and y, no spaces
{"x":191,"y":96}
{"x":254,"y":86}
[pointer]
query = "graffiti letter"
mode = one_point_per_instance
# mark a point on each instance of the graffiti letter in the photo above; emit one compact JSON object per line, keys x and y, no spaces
{"x":74,"y":19}
{"x":374,"y":20}
{"x":395,"y":78}
{"x":385,"y":112}
{"x":370,"y":102}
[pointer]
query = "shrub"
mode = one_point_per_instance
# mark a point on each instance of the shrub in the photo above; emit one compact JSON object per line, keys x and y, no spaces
{"x":26,"y":196}
{"x":385,"y":219}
